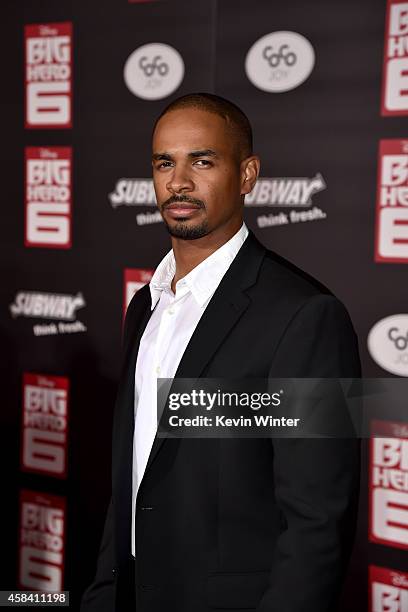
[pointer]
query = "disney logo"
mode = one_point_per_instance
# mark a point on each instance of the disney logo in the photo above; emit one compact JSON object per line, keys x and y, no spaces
{"x":400,"y":431}
{"x":399,"y":580}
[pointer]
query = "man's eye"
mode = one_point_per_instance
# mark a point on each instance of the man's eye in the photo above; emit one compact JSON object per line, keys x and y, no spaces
{"x":203,"y":162}
{"x":164,"y":164}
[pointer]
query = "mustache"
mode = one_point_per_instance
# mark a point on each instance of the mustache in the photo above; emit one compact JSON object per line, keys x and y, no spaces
{"x":182,"y":198}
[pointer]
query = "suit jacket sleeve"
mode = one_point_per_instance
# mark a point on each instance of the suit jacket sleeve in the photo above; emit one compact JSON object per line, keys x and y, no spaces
{"x":100,"y":595}
{"x":316,"y":479}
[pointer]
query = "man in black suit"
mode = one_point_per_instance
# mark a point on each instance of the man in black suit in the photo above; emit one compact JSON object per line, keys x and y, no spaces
{"x":239,"y":524}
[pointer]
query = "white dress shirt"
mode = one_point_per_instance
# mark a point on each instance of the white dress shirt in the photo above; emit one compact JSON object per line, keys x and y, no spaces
{"x":165,"y":339}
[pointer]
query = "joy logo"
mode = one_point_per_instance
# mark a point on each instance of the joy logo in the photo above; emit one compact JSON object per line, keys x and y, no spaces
{"x":154,"y":71}
{"x":149,"y":68}
{"x":279,"y":61}
{"x":400,"y":341}
{"x":388,"y":344}
{"x":283,"y":55}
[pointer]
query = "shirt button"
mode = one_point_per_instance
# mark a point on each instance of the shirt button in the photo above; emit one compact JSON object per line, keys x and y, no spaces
{"x":170,"y":311}
{"x":158,"y":370}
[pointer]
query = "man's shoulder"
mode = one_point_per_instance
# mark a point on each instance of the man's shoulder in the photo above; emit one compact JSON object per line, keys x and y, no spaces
{"x":277,"y":272}
{"x":140,"y":301}
{"x":280,"y":280}
{"x":287,"y":293}
{"x":137,"y":307}
{"x":141,"y":296}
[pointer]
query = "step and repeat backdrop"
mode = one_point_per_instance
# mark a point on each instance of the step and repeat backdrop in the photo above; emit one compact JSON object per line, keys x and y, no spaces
{"x":325,"y":85}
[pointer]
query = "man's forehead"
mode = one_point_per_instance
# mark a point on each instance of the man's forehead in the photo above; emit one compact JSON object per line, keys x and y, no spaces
{"x":191,"y":124}
{"x":185,"y":130}
{"x":190,"y":115}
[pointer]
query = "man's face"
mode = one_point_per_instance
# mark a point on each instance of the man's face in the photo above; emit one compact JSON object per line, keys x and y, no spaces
{"x":196,"y":173}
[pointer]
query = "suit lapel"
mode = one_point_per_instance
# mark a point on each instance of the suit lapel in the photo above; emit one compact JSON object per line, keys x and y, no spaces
{"x":223,"y":312}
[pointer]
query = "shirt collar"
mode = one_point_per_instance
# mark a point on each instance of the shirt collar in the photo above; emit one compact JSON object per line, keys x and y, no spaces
{"x":204,"y":279}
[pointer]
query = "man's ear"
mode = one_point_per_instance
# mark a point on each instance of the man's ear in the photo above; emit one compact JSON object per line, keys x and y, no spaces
{"x":250,"y":168}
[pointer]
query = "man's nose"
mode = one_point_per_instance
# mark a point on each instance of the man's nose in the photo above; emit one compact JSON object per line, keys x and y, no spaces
{"x":180,"y":181}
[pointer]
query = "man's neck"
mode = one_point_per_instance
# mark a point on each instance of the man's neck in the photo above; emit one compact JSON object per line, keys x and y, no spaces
{"x":190,"y":253}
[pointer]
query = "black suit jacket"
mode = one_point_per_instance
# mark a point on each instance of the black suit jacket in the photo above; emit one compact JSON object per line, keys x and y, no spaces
{"x":236,"y":524}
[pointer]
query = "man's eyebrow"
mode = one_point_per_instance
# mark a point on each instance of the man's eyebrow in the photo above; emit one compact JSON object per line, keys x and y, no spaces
{"x":193,"y":154}
{"x":203,"y":153}
{"x":165,"y":156}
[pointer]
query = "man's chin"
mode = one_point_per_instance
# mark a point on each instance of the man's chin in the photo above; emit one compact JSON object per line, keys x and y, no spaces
{"x":185,"y":230}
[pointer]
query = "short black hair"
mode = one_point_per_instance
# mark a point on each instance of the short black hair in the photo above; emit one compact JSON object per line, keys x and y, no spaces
{"x":236,"y":119}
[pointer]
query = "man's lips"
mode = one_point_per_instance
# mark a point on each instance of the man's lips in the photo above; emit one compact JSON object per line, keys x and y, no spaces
{"x":182,"y":206}
{"x":179,"y":210}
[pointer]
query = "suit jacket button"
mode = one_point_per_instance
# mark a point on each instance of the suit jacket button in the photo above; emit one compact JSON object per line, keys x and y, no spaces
{"x":114,"y":571}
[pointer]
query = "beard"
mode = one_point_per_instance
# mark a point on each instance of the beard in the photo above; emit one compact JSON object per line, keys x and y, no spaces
{"x":181,"y":229}
{"x":187,"y":232}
